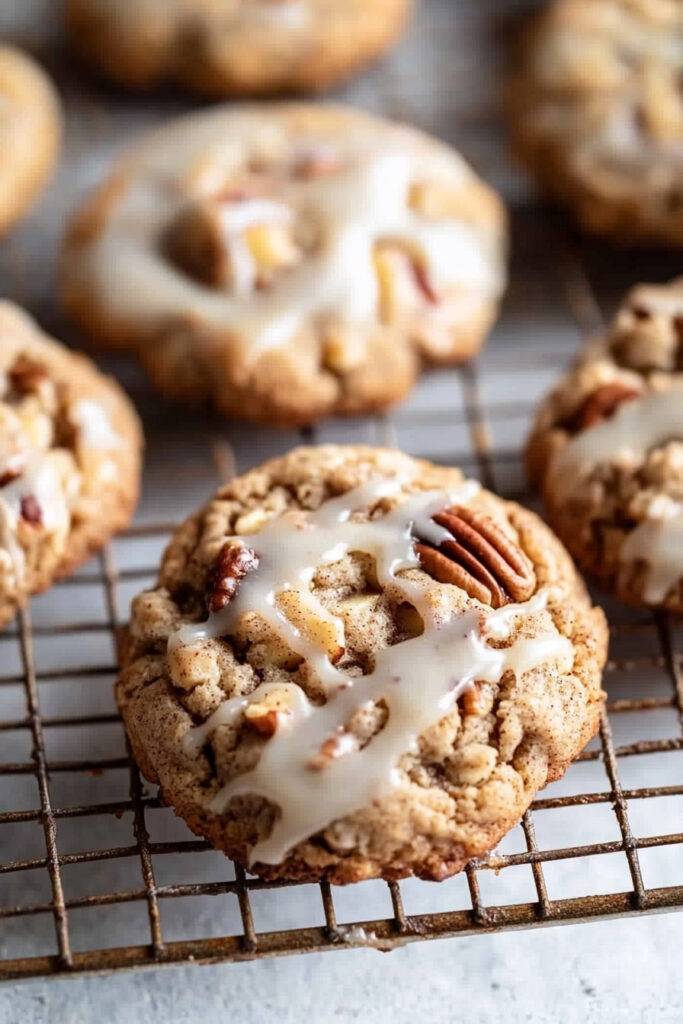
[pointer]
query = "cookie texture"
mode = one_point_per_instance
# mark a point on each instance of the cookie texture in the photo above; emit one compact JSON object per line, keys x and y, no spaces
{"x":70,"y":447}
{"x":356,"y":664}
{"x":30,"y":131}
{"x":287,"y":263}
{"x":607,"y":452}
{"x":234,"y":47}
{"x":596,"y":111}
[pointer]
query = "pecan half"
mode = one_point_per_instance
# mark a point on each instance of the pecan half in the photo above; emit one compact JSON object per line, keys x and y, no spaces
{"x":600,"y":405}
{"x":480,"y":559}
{"x":232,"y":565}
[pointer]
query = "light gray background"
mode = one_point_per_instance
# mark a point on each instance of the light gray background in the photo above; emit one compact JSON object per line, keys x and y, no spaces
{"x":592,"y":974}
{"x":615,"y":971}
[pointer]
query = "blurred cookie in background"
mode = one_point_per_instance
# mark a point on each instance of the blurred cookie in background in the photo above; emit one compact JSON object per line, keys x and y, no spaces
{"x":30,"y":131}
{"x":596,"y":114}
{"x":287,"y":263}
{"x":234,"y":47}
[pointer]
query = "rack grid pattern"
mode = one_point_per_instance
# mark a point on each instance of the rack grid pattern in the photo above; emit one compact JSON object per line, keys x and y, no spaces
{"x":646,"y":667}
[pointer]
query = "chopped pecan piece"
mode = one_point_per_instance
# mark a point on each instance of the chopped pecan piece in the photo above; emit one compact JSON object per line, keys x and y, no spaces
{"x":31,"y":510}
{"x":231,"y":566}
{"x":480,"y":559}
{"x":600,"y":405}
{"x":202,"y":239}
{"x":316,"y":165}
{"x":473,"y":701}
{"x":26,"y":375}
{"x":264,"y":721}
{"x":195,"y":243}
{"x":8,"y":475}
{"x":336,"y":746}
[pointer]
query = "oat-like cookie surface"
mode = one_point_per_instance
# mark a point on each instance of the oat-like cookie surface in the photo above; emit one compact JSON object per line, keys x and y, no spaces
{"x":596,"y":109}
{"x":234,"y":47}
{"x":30,"y":130}
{"x":607,"y":452}
{"x":356,"y":664}
{"x":69,"y":459}
{"x":288,"y":262}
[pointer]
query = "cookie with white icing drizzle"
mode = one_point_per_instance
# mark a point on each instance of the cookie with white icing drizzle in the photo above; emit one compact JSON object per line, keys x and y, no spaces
{"x":69,"y":459}
{"x":607,"y":452}
{"x":596,"y":114}
{"x":30,"y":131}
{"x":234,"y":47}
{"x":356,"y":664}
{"x":288,"y":263}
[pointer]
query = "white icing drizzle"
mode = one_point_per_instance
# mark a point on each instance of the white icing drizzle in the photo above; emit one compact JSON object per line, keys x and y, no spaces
{"x":658,"y":542}
{"x":365,"y":202}
{"x":39,"y":479}
{"x":636,"y":428}
{"x":231,"y":711}
{"x":419,"y":679}
{"x":13,"y":559}
{"x":235,"y":219}
{"x":287,"y":15}
{"x":95,"y":425}
{"x":293,"y":546}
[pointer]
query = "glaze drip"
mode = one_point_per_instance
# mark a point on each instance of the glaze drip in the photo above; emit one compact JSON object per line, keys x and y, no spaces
{"x":311,"y":768}
{"x":364,"y":203}
{"x":637,"y":427}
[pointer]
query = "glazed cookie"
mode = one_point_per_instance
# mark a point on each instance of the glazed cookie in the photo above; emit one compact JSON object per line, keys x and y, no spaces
{"x":30,"y":129}
{"x":597,"y":114}
{"x":607,"y":451}
{"x":69,"y":460}
{"x":234,"y":47}
{"x":357,"y":665}
{"x":288,"y":263}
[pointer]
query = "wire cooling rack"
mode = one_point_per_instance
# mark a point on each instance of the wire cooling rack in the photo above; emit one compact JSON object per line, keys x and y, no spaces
{"x":97,"y":875}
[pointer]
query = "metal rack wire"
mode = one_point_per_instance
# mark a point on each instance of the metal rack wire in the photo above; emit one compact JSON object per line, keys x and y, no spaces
{"x":644,"y":678}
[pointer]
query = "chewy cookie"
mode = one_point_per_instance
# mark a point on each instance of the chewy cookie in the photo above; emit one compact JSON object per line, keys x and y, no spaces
{"x":288,"y":262}
{"x":356,"y":664}
{"x":597,"y":114}
{"x":607,"y":451}
{"x":69,"y":460}
{"x":30,"y":130}
{"x":234,"y":47}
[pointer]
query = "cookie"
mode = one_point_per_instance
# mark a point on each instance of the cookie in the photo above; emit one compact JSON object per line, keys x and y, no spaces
{"x":287,"y":263}
{"x":69,"y":460}
{"x":30,"y":130}
{"x":234,"y":47}
{"x":356,"y":664}
{"x":607,"y":452}
{"x":596,"y":112}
